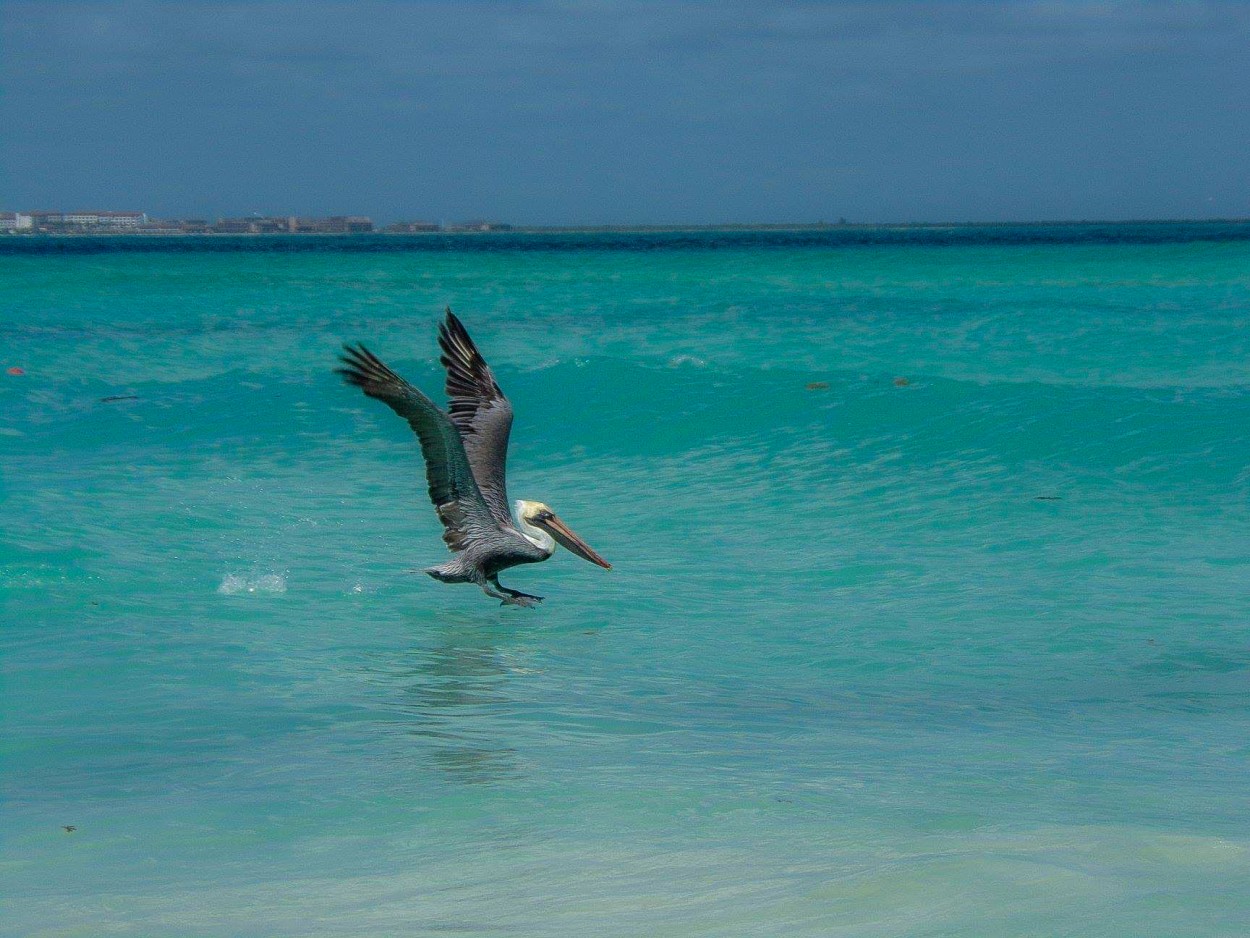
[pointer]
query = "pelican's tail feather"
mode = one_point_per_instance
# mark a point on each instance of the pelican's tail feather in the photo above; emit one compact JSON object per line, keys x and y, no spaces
{"x":451,"y":572}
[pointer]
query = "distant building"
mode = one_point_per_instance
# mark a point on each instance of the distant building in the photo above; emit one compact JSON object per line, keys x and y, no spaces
{"x":349,"y":224}
{"x":15,"y":221}
{"x":292,"y":224}
{"x":174,"y":226}
{"x":84,"y":222}
{"x":271,"y":225}
{"x":412,"y":227}
{"x":115,"y":220}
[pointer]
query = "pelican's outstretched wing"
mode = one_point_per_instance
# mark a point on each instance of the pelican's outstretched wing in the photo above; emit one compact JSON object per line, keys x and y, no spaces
{"x":453,"y":491}
{"x":480,"y":412}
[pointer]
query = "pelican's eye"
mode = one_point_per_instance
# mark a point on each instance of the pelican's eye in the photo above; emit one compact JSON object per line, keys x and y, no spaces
{"x":543,"y":516}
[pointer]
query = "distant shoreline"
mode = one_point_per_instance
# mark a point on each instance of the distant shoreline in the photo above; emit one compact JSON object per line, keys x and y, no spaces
{"x":640,"y":238}
{"x":877,"y":226}
{"x":638,"y":229}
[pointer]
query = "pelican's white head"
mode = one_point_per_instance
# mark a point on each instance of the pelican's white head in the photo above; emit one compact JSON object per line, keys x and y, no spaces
{"x":544,"y":530}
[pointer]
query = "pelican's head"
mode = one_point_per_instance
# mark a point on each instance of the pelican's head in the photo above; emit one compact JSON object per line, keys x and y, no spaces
{"x":541,"y":524}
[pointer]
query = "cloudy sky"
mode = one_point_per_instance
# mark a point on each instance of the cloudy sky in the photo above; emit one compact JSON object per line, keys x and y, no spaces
{"x":589,"y":111}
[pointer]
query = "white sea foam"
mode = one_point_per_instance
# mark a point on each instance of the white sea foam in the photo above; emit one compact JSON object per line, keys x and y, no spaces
{"x":691,"y":361}
{"x":232,"y":584}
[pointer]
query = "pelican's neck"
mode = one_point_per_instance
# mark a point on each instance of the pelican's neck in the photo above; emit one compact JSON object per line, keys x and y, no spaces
{"x":536,"y":536}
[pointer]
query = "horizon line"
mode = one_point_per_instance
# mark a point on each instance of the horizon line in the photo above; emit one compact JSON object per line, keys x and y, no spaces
{"x":471,"y":226}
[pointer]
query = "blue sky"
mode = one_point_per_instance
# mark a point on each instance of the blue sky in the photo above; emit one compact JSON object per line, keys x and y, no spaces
{"x":585,"y":112}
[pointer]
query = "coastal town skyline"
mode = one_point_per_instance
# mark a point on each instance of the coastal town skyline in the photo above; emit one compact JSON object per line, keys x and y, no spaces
{"x":134,"y":222}
{"x":79,"y":222}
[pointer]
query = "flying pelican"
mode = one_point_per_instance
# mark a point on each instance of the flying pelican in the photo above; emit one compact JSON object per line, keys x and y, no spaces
{"x":465,"y":451}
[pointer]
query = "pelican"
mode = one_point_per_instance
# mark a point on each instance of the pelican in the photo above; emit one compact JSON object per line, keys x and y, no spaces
{"x":465,"y":452}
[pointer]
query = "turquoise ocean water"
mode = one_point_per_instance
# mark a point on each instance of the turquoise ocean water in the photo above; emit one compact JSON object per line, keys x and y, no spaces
{"x":958,"y":644}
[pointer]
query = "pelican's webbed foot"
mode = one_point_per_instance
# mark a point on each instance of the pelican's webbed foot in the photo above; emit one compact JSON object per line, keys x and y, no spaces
{"x":521,"y":599}
{"x":509,"y":597}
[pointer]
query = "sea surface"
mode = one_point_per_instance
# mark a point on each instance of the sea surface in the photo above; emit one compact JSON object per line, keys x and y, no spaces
{"x":929,"y":612}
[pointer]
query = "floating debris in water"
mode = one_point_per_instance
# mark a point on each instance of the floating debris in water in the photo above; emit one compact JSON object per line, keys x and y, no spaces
{"x":901,"y":382}
{"x":68,"y":828}
{"x":119,"y":397}
{"x":818,"y":386}
{"x":1048,"y":498}
{"x":232,"y":584}
{"x":15,"y":371}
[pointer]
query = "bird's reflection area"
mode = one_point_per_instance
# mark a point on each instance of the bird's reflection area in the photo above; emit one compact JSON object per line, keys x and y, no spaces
{"x":450,"y":698}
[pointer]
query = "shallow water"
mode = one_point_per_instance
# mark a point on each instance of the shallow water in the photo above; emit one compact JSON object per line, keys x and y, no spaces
{"x":955,"y":645}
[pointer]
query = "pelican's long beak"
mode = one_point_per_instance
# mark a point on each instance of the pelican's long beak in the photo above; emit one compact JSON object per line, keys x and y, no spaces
{"x":560,"y":531}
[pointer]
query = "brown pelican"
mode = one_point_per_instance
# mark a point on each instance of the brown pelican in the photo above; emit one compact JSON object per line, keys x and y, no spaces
{"x":465,"y":451}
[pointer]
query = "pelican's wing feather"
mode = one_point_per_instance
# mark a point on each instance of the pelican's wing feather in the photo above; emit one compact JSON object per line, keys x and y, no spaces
{"x":479,"y":411}
{"x":455,"y":494}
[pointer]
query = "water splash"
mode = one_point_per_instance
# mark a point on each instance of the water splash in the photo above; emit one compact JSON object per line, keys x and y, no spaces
{"x":232,"y":584}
